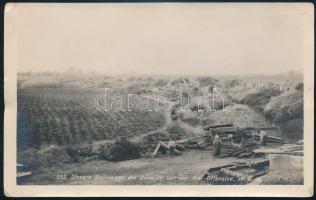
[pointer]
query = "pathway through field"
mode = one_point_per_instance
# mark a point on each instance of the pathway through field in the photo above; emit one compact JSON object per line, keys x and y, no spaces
{"x":196,"y":130}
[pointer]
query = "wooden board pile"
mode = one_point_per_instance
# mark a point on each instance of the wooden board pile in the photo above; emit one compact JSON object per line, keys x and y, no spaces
{"x":239,"y":142}
{"x":227,"y":130}
{"x":150,"y":148}
{"x":235,"y":142}
{"x":243,"y":151}
{"x":289,"y":149}
{"x":200,"y":142}
{"x":236,"y":173}
{"x":175,"y":147}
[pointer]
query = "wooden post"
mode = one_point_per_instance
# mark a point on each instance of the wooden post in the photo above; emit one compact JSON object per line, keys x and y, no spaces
{"x":156,"y":149}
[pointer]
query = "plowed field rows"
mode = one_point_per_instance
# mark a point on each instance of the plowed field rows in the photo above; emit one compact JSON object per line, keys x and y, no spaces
{"x":61,"y":116}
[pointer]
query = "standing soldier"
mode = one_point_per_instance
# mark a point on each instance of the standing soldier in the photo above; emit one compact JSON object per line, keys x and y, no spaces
{"x":217,"y":143}
{"x":263,"y":138}
{"x":172,"y":147}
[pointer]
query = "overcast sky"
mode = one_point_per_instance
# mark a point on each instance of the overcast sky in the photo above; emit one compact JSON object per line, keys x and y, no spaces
{"x":160,"y":38}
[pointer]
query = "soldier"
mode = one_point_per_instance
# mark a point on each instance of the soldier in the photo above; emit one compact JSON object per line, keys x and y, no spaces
{"x":172,"y":146}
{"x":263,"y":138}
{"x":217,"y":143}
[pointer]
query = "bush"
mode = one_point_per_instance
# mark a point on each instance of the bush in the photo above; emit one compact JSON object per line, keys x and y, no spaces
{"x":104,"y":150}
{"x":299,"y":86}
{"x":121,"y":149}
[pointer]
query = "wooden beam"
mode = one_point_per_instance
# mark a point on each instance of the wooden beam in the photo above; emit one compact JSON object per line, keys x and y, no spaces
{"x":156,"y":149}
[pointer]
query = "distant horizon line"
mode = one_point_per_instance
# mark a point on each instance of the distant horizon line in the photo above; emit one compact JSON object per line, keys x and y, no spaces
{"x":289,"y":72}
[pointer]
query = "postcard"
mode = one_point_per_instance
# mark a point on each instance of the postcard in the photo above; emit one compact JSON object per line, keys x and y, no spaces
{"x":159,"y":99}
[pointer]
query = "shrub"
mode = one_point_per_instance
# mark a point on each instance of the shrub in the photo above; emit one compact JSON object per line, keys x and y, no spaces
{"x":121,"y":149}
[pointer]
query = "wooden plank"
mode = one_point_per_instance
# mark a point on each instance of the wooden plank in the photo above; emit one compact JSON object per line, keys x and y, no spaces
{"x":217,"y":126}
{"x":156,"y":150}
{"x":219,"y":167}
{"x":190,"y":139}
{"x":22,"y":174}
{"x":177,"y":152}
{"x":279,"y":151}
{"x":259,"y":174}
{"x":164,"y":145}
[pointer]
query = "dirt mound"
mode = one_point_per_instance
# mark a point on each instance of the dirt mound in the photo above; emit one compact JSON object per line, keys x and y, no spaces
{"x":199,"y":107}
{"x":287,"y":112}
{"x":240,"y":115}
{"x":259,"y":98}
{"x":285,"y":107}
{"x":252,"y":95}
{"x":48,"y":156}
{"x":255,"y":97}
{"x":239,"y":92}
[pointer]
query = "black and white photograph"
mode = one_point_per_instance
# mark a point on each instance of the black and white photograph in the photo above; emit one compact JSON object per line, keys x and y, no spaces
{"x":177,"y":94}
